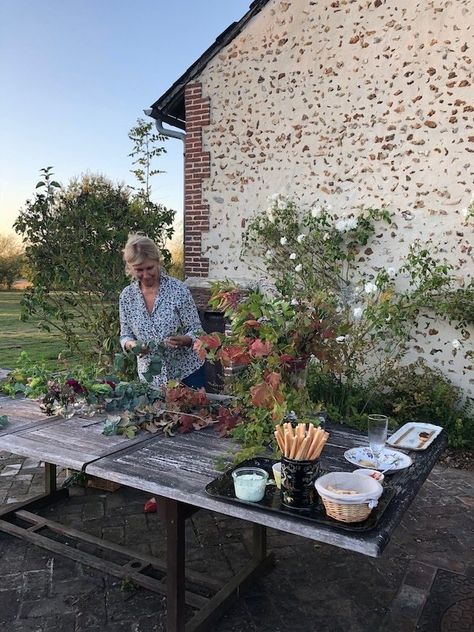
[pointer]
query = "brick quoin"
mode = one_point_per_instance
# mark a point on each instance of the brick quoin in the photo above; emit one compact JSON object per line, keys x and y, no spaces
{"x":196,"y":169}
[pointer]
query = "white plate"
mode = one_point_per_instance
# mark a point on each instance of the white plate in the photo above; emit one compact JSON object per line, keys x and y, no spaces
{"x":408,"y":436}
{"x":363,"y":457}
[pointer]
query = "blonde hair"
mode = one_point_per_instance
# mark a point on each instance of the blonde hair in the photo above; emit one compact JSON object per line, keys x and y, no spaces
{"x":137,"y":249}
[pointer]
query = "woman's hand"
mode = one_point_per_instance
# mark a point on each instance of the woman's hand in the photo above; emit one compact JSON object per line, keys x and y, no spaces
{"x":177,"y":342}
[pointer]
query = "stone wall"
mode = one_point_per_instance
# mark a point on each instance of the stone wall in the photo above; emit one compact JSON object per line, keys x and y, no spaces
{"x":355,"y":104}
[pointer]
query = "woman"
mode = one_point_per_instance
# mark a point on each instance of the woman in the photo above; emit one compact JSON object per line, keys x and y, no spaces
{"x":156,"y":307}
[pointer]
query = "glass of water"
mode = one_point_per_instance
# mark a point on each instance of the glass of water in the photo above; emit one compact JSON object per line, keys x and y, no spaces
{"x":377,"y":430}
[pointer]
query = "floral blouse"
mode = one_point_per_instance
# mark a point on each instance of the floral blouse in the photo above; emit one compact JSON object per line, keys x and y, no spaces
{"x":174,"y":313}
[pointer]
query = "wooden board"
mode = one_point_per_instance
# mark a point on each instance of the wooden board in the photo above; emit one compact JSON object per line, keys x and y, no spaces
{"x":68,"y":442}
{"x":180,"y":468}
{"x":22,"y":414}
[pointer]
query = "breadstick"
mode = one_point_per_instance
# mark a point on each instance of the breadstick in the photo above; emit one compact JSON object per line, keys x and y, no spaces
{"x":286,"y":451}
{"x":281,"y":445}
{"x":314,"y":443}
{"x":281,"y":434}
{"x":294,"y":447}
{"x":303,"y":449}
{"x":322,"y":444}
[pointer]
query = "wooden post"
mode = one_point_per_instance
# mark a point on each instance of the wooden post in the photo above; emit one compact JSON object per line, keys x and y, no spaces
{"x":49,"y":478}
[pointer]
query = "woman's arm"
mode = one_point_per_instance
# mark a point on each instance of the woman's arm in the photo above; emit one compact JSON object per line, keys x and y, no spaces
{"x":190,"y":322}
{"x":189,"y":316}
{"x":127,"y":338}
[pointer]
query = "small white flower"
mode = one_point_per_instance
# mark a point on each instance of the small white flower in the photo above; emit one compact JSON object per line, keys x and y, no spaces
{"x":294,"y":301}
{"x":283,"y":241}
{"x":269,"y":254}
{"x":370,"y":288}
{"x":391,"y":272}
{"x":358,"y":311}
{"x":326,"y":236}
{"x":293,"y":255}
{"x":341,"y":225}
{"x":351,"y":223}
{"x":465,"y":212}
{"x":281,"y":204}
{"x":298,"y":268}
{"x":340,"y":339}
{"x":455,"y":343}
{"x":300,"y":238}
{"x":316,"y":212}
{"x":270,"y":213}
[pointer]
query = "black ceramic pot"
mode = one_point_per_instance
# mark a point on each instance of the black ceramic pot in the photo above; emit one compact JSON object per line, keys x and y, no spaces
{"x":297,"y":482}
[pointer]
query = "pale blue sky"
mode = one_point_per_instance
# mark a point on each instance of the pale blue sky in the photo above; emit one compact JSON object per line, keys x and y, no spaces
{"x":76,"y":74}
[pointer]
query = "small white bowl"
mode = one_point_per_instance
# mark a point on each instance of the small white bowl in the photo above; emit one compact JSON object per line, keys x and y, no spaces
{"x":375,"y":474}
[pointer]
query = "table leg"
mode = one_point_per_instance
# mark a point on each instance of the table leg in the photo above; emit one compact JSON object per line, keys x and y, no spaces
{"x":175,"y":557}
{"x":259,"y":542}
{"x":50,"y":478}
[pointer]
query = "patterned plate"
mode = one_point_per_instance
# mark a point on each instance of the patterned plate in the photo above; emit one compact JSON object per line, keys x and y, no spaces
{"x":363,"y":457}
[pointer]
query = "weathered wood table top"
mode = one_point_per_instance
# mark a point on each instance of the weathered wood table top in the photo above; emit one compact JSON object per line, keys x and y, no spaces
{"x":68,"y":443}
{"x":180,"y":467}
{"x":22,"y":414}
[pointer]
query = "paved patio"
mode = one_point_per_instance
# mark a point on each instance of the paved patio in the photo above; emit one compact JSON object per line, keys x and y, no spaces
{"x":424,"y":581}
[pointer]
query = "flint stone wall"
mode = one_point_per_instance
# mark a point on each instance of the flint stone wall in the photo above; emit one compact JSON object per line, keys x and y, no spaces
{"x":355,"y":104}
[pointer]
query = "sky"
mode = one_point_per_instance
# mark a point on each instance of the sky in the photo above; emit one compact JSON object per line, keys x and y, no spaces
{"x":76,"y":75}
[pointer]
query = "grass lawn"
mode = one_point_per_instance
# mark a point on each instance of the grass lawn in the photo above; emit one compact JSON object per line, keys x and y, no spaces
{"x":17,"y":336}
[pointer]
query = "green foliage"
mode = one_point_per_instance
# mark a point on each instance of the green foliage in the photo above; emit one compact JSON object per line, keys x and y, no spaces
{"x":145,"y":150}
{"x":414,"y":392}
{"x":3,"y":421}
{"x":12,"y":261}
{"x":315,"y":258}
{"x":28,"y":377}
{"x":74,"y":238}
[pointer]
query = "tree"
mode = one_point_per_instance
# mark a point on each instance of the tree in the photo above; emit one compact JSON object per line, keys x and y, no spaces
{"x":74,"y":239}
{"x":11,"y":260}
{"x":144,"y":151}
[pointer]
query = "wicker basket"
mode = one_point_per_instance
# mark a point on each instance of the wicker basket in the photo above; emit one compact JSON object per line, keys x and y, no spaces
{"x":346,"y":513}
{"x":355,"y":507}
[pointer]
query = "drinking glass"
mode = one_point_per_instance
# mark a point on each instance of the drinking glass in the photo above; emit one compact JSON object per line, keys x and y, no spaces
{"x":377,"y":429}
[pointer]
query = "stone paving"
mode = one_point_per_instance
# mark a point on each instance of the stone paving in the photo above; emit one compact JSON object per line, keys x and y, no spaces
{"x":424,"y":581}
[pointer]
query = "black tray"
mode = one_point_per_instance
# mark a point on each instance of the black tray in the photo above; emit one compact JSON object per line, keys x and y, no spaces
{"x":223,"y":488}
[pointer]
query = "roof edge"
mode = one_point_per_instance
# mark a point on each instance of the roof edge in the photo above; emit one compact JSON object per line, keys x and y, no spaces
{"x":170,"y":106}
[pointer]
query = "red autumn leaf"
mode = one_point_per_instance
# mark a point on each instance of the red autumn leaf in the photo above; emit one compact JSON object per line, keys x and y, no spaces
{"x":228,"y":418}
{"x":233,"y":355}
{"x":212,"y":341}
{"x":262,"y":395}
{"x":273,"y":379}
{"x":286,"y":358}
{"x":151,"y":506}
{"x":259,"y":348}
{"x":200,"y":349}
{"x":186,"y":423}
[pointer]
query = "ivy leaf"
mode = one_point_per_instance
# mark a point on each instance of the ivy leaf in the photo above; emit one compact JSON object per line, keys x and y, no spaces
{"x":111,"y":426}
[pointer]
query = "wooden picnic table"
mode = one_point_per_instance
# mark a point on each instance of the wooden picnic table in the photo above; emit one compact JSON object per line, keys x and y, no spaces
{"x":176,"y":470}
